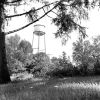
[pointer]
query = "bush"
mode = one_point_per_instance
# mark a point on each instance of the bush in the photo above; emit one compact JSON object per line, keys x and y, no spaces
{"x":97,"y":67}
{"x":16,"y":67}
{"x":76,"y":71}
{"x":39,"y":65}
{"x":61,"y":72}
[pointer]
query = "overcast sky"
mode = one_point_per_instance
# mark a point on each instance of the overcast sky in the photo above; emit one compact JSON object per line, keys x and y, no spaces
{"x":54,"y":46}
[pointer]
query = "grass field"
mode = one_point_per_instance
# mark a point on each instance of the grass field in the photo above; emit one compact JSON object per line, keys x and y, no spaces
{"x":77,"y":88}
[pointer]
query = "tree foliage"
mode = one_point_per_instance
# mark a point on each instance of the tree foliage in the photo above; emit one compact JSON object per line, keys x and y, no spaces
{"x":13,"y":41}
{"x":86,"y":55}
{"x":82,"y":51}
{"x":68,"y":13}
{"x":17,"y":53}
{"x":39,"y":64}
{"x":62,"y":66}
{"x":25,"y":46}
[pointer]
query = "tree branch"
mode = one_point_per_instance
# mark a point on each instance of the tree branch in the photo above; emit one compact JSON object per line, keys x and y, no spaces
{"x":55,"y":13}
{"x":47,"y":14}
{"x":16,"y":1}
{"x":6,"y":33}
{"x":29,"y":11}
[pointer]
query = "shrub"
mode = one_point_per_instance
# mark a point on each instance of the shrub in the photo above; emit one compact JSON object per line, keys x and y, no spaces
{"x":97,"y":67}
{"x":39,"y":65}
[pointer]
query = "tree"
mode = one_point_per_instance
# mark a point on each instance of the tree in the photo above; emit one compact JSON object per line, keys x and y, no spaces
{"x":82,"y":54}
{"x":62,"y":66}
{"x":63,"y":61}
{"x":55,"y":61}
{"x":86,"y":54}
{"x":65,"y":21}
{"x":96,"y":54}
{"x":18,"y":52}
{"x":96,"y":47}
{"x":13,"y":41}
{"x":25,"y":46}
{"x":39,"y":64}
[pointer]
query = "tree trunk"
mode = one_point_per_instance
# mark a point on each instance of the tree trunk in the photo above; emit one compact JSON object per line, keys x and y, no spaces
{"x":4,"y":73}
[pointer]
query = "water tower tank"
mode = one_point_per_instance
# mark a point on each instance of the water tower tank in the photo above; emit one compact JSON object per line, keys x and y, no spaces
{"x":39,"y":30}
{"x":39,"y":39}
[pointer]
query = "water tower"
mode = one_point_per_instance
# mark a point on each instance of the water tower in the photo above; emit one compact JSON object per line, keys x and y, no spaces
{"x":37,"y":42}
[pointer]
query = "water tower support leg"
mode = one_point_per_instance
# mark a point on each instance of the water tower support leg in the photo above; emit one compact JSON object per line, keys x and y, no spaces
{"x":38,"y":43}
{"x":44,"y":43}
{"x":32,"y":43}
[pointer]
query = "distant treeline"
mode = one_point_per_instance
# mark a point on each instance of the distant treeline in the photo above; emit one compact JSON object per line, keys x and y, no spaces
{"x":85,"y":56}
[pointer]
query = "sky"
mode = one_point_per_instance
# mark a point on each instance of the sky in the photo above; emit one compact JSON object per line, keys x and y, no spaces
{"x":54,"y":46}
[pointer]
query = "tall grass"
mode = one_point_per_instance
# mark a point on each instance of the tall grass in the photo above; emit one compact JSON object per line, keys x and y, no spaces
{"x":52,"y":94}
{"x":50,"y":90}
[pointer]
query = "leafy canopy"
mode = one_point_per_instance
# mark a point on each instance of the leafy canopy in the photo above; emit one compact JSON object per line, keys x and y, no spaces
{"x":68,"y":14}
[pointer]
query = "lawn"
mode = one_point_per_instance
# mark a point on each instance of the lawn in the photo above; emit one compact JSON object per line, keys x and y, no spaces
{"x":76,"y":88}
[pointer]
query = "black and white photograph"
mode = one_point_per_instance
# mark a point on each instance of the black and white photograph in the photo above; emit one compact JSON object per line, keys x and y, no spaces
{"x":49,"y":49}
